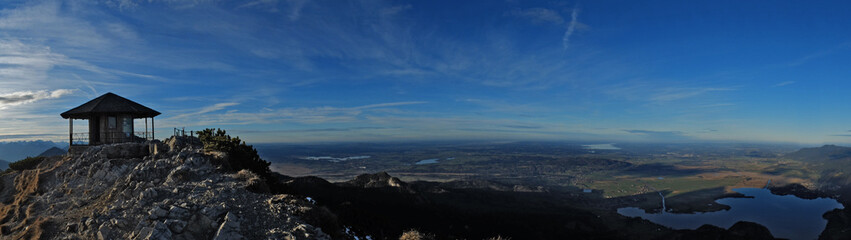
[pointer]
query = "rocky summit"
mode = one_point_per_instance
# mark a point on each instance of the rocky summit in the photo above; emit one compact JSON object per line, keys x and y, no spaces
{"x":152,"y":190}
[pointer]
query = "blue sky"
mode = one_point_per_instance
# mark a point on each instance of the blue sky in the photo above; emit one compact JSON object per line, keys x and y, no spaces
{"x":327,"y":71}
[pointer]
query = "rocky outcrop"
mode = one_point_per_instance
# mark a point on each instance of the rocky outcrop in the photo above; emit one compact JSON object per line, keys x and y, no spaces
{"x":378,"y":180}
{"x":740,"y":230}
{"x":152,"y":190}
{"x":490,"y":185}
{"x":750,"y":230}
{"x":381,"y":180}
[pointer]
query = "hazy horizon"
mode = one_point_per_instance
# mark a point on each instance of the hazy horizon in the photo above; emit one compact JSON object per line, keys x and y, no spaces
{"x":384,"y":71}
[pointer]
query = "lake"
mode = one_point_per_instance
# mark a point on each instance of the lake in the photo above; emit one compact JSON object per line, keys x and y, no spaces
{"x":427,"y":161}
{"x":785,"y":216}
{"x":607,"y":146}
{"x":335,"y":159}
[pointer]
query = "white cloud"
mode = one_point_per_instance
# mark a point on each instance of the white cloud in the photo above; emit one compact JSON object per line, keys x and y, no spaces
{"x":24,"y":97}
{"x":216,"y":107}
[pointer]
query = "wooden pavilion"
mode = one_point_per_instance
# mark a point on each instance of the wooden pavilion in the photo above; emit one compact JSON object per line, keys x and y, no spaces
{"x":110,"y":121}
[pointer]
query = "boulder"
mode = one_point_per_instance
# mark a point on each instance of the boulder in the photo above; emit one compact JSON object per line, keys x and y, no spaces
{"x":229,"y":230}
{"x":126,"y":150}
{"x":176,"y":212}
{"x":176,"y":226}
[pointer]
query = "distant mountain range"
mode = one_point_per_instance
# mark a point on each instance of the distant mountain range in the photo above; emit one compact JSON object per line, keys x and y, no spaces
{"x":14,"y":151}
{"x":54,"y":151}
{"x":821,"y":154}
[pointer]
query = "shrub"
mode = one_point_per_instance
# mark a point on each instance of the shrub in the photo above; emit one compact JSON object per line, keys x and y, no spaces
{"x":240,"y":155}
{"x":254,"y":182}
{"x":26,"y":163}
{"x":413,"y":234}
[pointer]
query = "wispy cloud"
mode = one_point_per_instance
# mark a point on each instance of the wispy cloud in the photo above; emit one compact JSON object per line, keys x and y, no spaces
{"x":565,"y":41}
{"x":841,"y":135}
{"x":665,"y":92}
{"x":295,"y":8}
{"x":31,"y":136}
{"x":270,"y":5}
{"x":311,"y":130}
{"x":651,"y":132}
{"x":708,"y":130}
{"x":672,"y":94}
{"x":538,"y":15}
{"x":522,"y":126}
{"x":207,"y":109}
{"x":507,"y":107}
{"x":821,"y":54}
{"x":393,"y":104}
{"x":24,"y":65}
{"x":784,"y":83}
{"x":389,"y":11}
{"x":314,"y":115}
{"x":301,"y":63}
{"x":544,"y":15}
{"x":23,"y":97}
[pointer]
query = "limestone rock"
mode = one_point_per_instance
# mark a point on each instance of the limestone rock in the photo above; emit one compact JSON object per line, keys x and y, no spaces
{"x":176,"y":226}
{"x":229,"y":230}
{"x":177,"y":212}
{"x":150,"y":190}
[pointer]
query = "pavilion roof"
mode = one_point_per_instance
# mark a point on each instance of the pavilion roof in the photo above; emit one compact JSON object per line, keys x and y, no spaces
{"x":109,"y":103}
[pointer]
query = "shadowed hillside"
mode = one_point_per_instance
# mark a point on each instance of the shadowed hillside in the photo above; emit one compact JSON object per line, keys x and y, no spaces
{"x":384,"y":207}
{"x":821,"y":154}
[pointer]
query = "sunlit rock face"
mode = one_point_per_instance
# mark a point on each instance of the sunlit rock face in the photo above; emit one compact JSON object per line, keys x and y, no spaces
{"x":144,"y":191}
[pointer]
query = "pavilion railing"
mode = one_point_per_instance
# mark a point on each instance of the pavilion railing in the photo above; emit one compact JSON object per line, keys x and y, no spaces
{"x":111,"y":137}
{"x":144,"y":135}
{"x":182,"y":132}
{"x":79,"y":139}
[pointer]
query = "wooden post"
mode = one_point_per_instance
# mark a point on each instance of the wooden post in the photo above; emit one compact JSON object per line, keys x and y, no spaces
{"x":153,"y":129}
{"x":146,"y":128}
{"x":70,"y":132}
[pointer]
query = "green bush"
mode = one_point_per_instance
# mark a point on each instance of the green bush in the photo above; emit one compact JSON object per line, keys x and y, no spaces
{"x":26,"y":163}
{"x":240,"y":155}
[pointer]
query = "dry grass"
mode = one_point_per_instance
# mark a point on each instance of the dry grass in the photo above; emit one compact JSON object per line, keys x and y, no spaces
{"x":35,"y":230}
{"x":26,"y":185}
{"x":499,"y":238}
{"x":253,"y":182}
{"x":20,"y":214}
